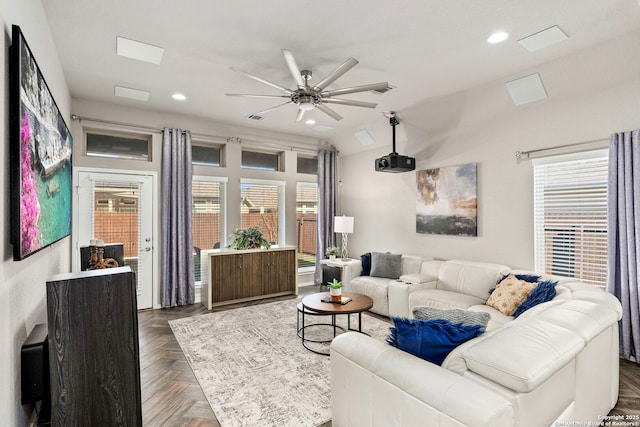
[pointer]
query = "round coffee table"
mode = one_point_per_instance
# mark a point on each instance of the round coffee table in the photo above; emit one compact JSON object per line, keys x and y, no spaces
{"x":313,"y":305}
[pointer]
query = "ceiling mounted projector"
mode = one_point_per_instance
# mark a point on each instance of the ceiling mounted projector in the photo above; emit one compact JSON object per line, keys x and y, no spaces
{"x":395,"y":162}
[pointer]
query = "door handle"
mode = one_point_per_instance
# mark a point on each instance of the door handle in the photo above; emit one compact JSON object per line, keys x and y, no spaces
{"x":147,"y":249}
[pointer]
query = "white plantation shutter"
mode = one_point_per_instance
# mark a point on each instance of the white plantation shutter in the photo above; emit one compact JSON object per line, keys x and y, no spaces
{"x":570,"y":216}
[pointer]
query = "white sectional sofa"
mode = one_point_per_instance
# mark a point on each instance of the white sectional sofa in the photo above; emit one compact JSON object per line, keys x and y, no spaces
{"x":377,"y":287}
{"x":555,"y":363}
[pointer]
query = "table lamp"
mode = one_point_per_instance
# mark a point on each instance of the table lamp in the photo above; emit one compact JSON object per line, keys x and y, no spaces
{"x":343,"y":224}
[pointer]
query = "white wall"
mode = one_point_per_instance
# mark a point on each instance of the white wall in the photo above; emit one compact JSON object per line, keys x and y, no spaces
{"x":483,"y":126}
{"x":22,"y":284}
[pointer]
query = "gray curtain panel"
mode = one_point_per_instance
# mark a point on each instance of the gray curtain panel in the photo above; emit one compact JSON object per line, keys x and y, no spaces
{"x":327,"y":196}
{"x":178,"y":286}
{"x":623,"y":211}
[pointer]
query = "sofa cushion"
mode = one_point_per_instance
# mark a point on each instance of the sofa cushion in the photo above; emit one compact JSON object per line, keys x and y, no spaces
{"x":410,"y":264}
{"x":442,"y":299}
{"x":497,"y":318}
{"x":470,"y":278}
{"x":454,"y":315}
{"x":509,"y":294}
{"x":430,"y":339}
{"x":522,"y":355}
{"x":377,"y":288}
{"x":365,"y":259}
{"x":545,"y":291}
{"x":386,"y":265}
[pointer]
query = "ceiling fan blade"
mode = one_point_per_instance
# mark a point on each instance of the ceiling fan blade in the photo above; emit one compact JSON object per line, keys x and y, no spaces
{"x":354,"y":89}
{"x":268,"y":110}
{"x":350,"y":102}
{"x":293,"y":67}
{"x":261,"y":80}
{"x":335,"y":74}
{"x":247,"y":95}
{"x":328,"y":111}
{"x":300,"y":114}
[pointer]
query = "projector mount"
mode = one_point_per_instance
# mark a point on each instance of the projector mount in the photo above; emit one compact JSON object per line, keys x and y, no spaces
{"x":393,"y":121}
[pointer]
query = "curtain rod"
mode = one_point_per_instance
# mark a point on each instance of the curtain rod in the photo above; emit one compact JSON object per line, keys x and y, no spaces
{"x":520,"y":154}
{"x":235,"y":139}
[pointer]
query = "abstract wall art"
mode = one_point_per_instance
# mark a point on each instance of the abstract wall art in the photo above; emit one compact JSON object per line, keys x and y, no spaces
{"x":447,"y":200}
{"x":40,"y":157}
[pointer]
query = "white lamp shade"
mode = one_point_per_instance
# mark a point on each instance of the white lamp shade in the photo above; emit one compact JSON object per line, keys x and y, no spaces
{"x":343,"y":224}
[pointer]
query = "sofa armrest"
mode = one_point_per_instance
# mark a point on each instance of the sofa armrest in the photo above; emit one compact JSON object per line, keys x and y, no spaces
{"x":399,"y":291}
{"x":373,"y":383}
{"x":350,"y":270}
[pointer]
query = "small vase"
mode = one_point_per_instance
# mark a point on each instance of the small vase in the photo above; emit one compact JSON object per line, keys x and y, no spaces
{"x":332,"y":257}
{"x":336,"y":294}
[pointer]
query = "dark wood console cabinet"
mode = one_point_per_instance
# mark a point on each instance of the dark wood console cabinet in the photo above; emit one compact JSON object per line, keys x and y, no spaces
{"x":93,"y":348}
{"x":235,"y":276}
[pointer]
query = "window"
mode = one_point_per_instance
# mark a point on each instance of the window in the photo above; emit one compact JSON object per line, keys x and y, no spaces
{"x":260,"y":160}
{"x":262,"y":206}
{"x":308,"y":164}
{"x":208,"y":216}
{"x":206,"y":155}
{"x":118,"y":145}
{"x":307,"y":223}
{"x":570,"y":216}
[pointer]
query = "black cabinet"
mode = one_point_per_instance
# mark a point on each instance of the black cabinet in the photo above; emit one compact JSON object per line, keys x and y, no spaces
{"x":330,"y":272}
{"x":93,"y":348}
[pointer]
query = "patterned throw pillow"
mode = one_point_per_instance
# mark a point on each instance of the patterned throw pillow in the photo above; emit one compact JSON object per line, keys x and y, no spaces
{"x":454,"y":315}
{"x":509,"y":294}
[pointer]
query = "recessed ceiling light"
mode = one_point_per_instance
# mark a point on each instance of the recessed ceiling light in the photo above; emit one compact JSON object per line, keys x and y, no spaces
{"x":178,"y":97}
{"x":498,"y":37}
{"x":138,"y":50}
{"x":310,"y":122}
{"x":127,"y":92}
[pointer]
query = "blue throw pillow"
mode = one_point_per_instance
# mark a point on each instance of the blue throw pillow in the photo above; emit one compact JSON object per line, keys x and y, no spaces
{"x":545,"y":291}
{"x":366,"y":264}
{"x":430,"y":339}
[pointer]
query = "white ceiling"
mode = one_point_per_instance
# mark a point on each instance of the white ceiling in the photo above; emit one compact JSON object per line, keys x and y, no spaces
{"x":425,"y":49}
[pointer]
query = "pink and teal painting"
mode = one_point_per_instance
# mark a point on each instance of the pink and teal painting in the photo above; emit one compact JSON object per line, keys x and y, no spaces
{"x":447,"y":201}
{"x":41,"y":169}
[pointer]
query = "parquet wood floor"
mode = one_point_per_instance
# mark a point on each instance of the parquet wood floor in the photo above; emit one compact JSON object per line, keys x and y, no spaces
{"x":171,"y":395}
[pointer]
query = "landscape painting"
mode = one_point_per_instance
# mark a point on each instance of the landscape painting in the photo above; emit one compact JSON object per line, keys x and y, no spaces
{"x":447,"y":201}
{"x":41,"y":167}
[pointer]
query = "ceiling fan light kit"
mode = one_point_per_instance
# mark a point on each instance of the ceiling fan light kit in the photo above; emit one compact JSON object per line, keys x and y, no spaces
{"x":307,"y":97}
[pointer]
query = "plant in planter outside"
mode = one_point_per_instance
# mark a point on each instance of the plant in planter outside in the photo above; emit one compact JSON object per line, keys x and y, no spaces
{"x":335,"y":289}
{"x":249,"y":238}
{"x":332,"y":252}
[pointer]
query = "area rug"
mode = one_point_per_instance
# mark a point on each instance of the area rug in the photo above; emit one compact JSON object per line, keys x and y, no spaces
{"x":253,"y":368}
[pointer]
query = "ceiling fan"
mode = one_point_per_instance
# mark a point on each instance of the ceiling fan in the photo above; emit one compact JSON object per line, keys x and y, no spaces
{"x":308,"y":97}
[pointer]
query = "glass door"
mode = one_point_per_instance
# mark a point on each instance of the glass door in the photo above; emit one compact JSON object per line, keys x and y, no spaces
{"x":117,"y":208}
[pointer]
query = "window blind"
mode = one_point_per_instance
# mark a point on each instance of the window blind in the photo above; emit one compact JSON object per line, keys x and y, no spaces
{"x":570,"y":216}
{"x":208,"y":213}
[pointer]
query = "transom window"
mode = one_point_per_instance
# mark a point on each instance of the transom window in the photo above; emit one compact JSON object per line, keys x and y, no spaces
{"x":260,"y":160}
{"x":119,"y":145}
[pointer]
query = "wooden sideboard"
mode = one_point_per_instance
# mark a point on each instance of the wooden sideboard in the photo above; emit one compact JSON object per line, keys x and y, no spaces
{"x":234,"y":276}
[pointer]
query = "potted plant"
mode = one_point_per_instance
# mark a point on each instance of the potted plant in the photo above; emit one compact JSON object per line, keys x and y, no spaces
{"x":335,"y":290}
{"x":332,"y":252}
{"x":249,"y":238}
